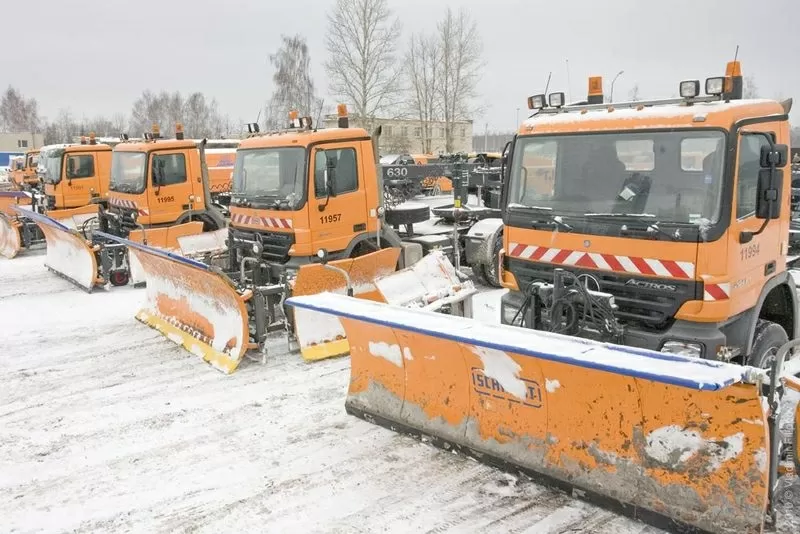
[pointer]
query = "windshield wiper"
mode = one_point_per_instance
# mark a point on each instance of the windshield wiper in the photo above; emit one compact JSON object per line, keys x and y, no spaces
{"x":649,"y":220}
{"x":552,"y":218}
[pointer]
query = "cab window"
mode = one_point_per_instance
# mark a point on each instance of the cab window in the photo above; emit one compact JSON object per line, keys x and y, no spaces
{"x":747,"y":172}
{"x":81,"y":166}
{"x":345,"y":170}
{"x":171,"y":168}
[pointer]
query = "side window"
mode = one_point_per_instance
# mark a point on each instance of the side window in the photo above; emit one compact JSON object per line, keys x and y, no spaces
{"x":345,"y":169}
{"x":747,"y":173}
{"x":80,"y":166}
{"x":170,"y":167}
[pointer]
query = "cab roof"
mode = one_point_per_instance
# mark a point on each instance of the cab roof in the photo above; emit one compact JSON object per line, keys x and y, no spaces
{"x":74,"y":147}
{"x":302,"y":137}
{"x":159,"y":144}
{"x":633,"y":115}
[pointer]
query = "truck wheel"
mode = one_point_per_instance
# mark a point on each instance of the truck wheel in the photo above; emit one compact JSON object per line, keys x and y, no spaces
{"x":408,"y":213}
{"x":119,"y":278}
{"x":768,"y":338}
{"x":490,"y":274}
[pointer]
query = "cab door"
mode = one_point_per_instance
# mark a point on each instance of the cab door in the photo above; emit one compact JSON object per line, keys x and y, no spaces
{"x":754,"y":261}
{"x":337,"y":196}
{"x":169,"y":191}
{"x":80,"y":179}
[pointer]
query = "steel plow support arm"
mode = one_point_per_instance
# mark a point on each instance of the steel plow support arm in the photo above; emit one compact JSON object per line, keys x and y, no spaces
{"x":69,"y":254}
{"x":192,"y":305}
{"x":663,"y":437}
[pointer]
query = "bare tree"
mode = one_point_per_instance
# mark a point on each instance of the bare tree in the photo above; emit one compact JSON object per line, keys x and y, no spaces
{"x":294,"y":87}
{"x":423,"y":62}
{"x":749,"y":87}
{"x":633,"y":94}
{"x":461,"y":62}
{"x":362,"y":47}
{"x":17,"y":113}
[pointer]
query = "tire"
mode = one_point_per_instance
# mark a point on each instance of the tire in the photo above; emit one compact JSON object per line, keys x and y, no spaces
{"x":411,"y":215}
{"x":487,"y":272}
{"x":119,"y":278}
{"x":768,"y":338}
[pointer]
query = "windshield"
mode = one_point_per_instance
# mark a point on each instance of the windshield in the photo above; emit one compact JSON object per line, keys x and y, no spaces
{"x":33,"y":161}
{"x":673,"y":176}
{"x":50,"y":161}
{"x":127,"y":172}
{"x":272,"y":175}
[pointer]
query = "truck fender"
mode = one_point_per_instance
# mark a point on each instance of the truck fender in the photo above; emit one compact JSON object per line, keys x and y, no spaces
{"x":211,"y":214}
{"x":480,"y":241}
{"x":389,"y":238}
{"x":785,"y":279}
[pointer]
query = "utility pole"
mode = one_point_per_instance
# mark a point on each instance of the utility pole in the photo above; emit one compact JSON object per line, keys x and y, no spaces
{"x":611,"y":96}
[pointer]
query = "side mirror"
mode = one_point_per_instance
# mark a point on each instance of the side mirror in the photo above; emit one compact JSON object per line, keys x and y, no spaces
{"x":770,"y":187}
{"x":70,"y":168}
{"x":330,"y":177}
{"x":775,"y":155}
{"x":322,"y":254}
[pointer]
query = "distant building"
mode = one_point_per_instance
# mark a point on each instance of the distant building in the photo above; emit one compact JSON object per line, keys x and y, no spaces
{"x":401,"y":136}
{"x":16,"y":144}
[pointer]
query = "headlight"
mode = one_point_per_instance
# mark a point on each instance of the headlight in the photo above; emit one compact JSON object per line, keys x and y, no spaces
{"x":256,"y":249}
{"x":683,"y":348}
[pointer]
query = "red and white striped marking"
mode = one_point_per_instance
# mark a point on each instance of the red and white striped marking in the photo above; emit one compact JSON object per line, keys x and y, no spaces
{"x":128,"y":204}
{"x":604,"y":262}
{"x":714,"y":292}
{"x":266,"y":222}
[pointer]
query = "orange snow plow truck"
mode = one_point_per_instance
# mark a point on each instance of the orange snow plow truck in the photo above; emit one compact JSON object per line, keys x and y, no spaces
{"x":297,"y":192}
{"x":23,"y":170}
{"x":75,"y":181}
{"x":647,"y":357}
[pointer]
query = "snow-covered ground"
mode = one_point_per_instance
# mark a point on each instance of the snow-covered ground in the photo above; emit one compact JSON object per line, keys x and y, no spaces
{"x":106,"y":426}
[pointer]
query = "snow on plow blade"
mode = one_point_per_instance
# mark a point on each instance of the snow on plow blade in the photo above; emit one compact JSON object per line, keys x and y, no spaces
{"x":10,"y":238}
{"x":321,"y":336}
{"x":68,"y":253}
{"x":191,"y":305}
{"x":662,"y":437}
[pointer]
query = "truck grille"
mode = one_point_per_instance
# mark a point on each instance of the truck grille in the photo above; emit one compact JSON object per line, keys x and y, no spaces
{"x":638,"y":306}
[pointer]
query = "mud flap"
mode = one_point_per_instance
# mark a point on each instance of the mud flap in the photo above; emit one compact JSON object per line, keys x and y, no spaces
{"x":68,"y":253}
{"x":10,"y":237}
{"x":321,"y":336}
{"x":662,"y":437}
{"x":192,"y":305}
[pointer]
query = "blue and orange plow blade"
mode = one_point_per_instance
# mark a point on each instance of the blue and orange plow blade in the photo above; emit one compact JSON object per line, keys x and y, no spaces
{"x":69,"y":254}
{"x":665,"y":438}
{"x":192,"y":305}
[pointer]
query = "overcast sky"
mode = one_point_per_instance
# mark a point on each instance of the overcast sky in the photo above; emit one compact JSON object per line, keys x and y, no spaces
{"x":96,"y":56}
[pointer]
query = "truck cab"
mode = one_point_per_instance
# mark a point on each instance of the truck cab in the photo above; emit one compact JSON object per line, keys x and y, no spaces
{"x":301,"y":189}
{"x":74,"y":175}
{"x":158,"y":182}
{"x":660,"y":224}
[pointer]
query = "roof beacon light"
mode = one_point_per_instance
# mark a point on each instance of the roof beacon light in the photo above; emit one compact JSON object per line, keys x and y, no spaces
{"x":83,"y":139}
{"x":595,"y":90}
{"x":156,"y":131}
{"x":293,"y":122}
{"x":178,"y":130}
{"x":556,"y":100}
{"x":715,"y":86}
{"x":690,"y":88}
{"x":341,"y":112}
{"x":734,"y":83}
{"x":537,"y":102}
{"x":92,"y":138}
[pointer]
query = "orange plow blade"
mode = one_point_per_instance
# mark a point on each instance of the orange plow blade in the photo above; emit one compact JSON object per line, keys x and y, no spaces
{"x":321,"y":336}
{"x":166,"y":238}
{"x":665,"y":438}
{"x":10,"y":238}
{"x":192,"y":305}
{"x":69,"y":254}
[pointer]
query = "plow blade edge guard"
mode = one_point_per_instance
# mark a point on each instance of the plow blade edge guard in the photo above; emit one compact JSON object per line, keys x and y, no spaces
{"x":320,"y":335}
{"x":68,"y":252}
{"x":192,"y":305}
{"x":661,"y":437}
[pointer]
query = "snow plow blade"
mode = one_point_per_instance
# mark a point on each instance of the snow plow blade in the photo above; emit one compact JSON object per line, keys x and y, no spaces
{"x":668,"y":439}
{"x":321,"y":336}
{"x":13,"y":198}
{"x":69,"y":254}
{"x":191,"y":305}
{"x":10,"y":237}
{"x":166,"y":238}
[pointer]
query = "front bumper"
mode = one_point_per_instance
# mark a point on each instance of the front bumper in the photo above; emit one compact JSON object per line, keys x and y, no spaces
{"x":707,"y":335}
